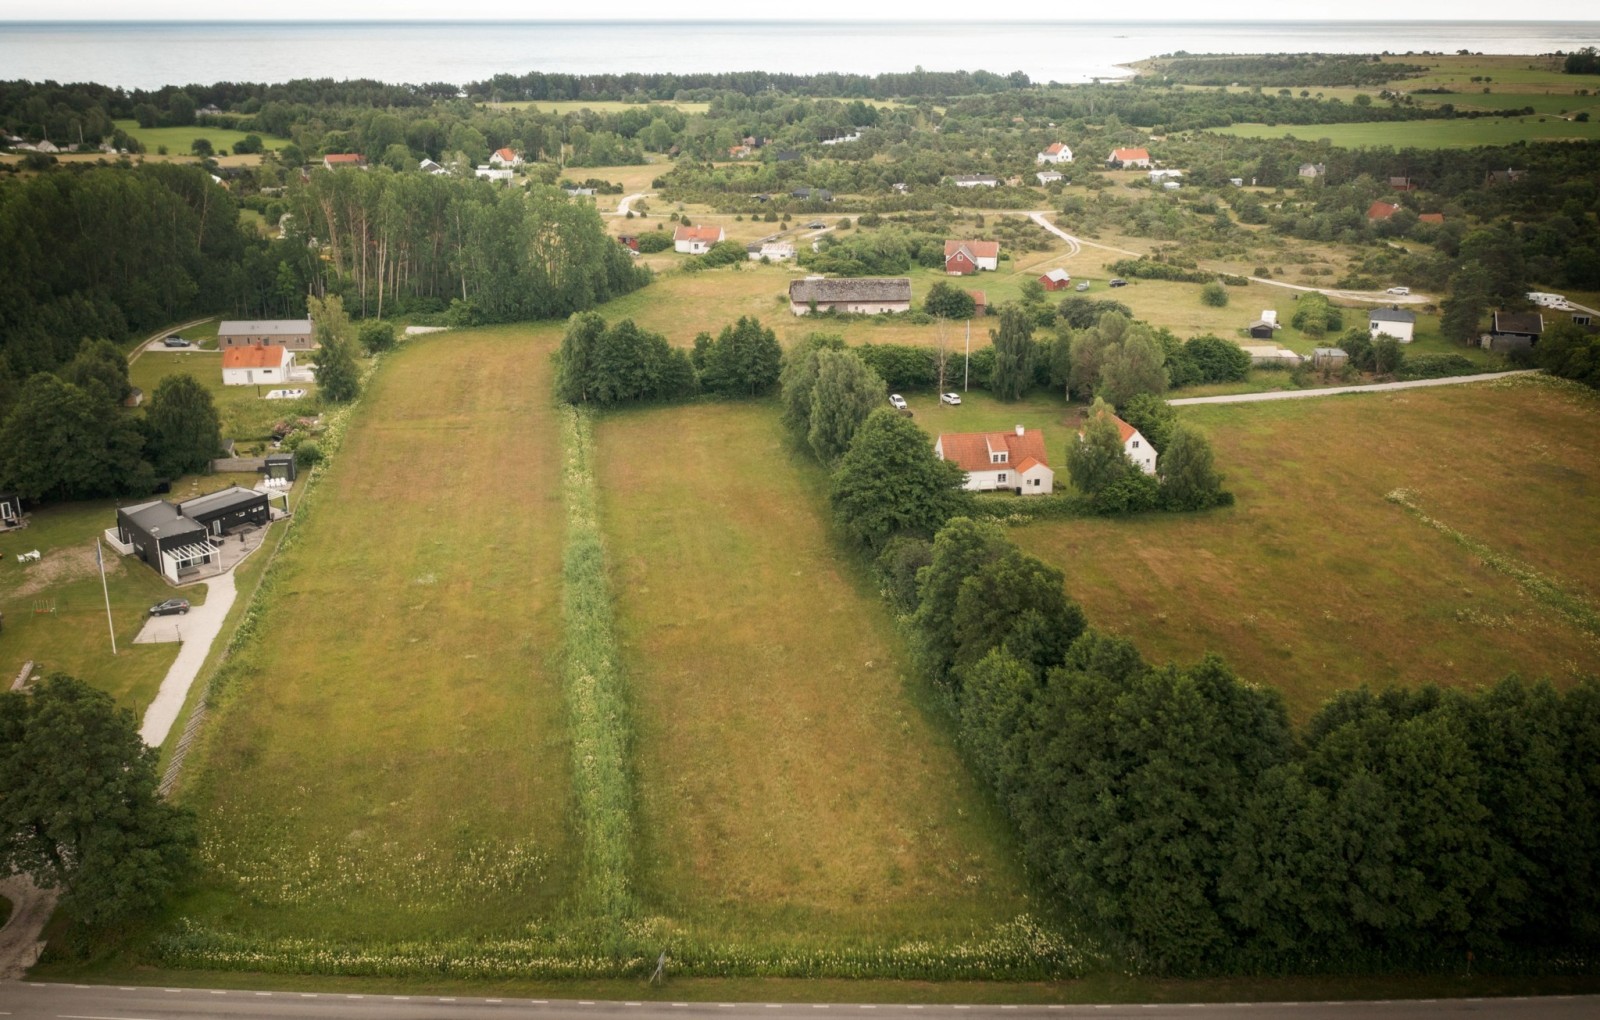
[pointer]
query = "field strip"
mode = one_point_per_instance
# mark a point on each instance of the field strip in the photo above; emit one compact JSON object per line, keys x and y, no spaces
{"x":1579,"y":611}
{"x":595,"y":697}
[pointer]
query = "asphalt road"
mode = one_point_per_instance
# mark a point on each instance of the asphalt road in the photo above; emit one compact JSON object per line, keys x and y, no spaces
{"x":87,"y":1002}
{"x":1333,"y":391}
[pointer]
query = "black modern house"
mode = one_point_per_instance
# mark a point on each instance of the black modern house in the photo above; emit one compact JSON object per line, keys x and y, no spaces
{"x":175,"y":539}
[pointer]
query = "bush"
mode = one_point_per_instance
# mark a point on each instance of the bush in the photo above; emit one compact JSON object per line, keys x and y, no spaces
{"x":654,"y":241}
{"x":1436,"y":366}
{"x":1150,"y":269}
{"x":376,"y":337}
{"x":1214,"y":295}
{"x":307,"y":453}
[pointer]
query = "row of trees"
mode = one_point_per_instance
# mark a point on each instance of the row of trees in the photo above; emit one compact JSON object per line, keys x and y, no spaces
{"x":622,"y":363}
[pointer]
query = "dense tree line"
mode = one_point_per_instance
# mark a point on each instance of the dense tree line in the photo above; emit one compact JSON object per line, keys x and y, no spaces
{"x":541,"y":85}
{"x":1315,"y":70}
{"x":622,"y":363}
{"x":108,"y":253}
{"x":1177,"y":809}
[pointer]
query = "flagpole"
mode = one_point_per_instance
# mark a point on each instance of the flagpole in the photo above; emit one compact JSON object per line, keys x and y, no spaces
{"x":100,"y":559}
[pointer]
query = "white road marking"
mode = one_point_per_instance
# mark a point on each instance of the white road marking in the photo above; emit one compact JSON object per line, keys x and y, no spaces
{"x":70,"y":1016}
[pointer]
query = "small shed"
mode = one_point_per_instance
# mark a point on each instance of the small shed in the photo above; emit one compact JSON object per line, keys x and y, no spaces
{"x":280,"y":467}
{"x":1513,"y":330}
{"x":1330,"y":357}
{"x":1056,"y":279}
{"x":980,"y":303}
{"x":1261,"y":329}
{"x":1393,"y":322}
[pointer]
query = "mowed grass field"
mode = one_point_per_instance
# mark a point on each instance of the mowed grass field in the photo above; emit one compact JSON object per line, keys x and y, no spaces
{"x":179,"y":140}
{"x":1429,"y":134}
{"x":389,"y":758}
{"x":1314,"y":582}
{"x":792,"y":783}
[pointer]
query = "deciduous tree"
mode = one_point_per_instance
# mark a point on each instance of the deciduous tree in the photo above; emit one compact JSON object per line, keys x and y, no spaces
{"x":182,"y":426}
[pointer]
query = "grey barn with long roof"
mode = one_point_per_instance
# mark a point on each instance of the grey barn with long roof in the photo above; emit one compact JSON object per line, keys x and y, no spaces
{"x":861,"y":296}
{"x":294,"y":334}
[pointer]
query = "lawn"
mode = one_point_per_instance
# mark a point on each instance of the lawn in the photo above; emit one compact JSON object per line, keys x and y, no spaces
{"x":1429,"y":134}
{"x":793,"y":781}
{"x":1392,"y":601}
{"x":388,"y":759}
{"x":55,"y":610}
{"x":247,"y":416}
{"x":179,"y":140}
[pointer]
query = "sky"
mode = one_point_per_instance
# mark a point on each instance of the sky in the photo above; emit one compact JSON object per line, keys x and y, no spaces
{"x":812,"y":10}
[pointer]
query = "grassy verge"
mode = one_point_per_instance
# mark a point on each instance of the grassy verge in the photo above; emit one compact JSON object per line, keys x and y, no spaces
{"x":596,"y":699}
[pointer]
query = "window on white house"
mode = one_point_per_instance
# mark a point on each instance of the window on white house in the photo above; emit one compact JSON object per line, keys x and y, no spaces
{"x":1135,"y":444}
{"x":1002,"y":476}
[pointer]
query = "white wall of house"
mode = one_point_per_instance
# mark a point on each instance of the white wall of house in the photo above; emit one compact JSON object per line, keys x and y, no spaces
{"x":854,"y":307}
{"x":1401,"y":331}
{"x":1038,"y":480}
{"x":692,"y":247}
{"x":255,"y":376}
{"x":1140,"y":451}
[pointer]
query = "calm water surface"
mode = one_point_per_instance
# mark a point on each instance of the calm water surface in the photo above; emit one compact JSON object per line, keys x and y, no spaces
{"x":152,"y":54}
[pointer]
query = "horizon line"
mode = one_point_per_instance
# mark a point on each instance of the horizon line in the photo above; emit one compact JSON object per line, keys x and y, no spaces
{"x":780,"y":21}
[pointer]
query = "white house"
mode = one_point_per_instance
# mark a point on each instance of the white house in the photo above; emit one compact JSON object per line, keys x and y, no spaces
{"x":854,"y":136}
{"x":772,"y":251}
{"x":1012,"y":460}
{"x":1157,"y":176}
{"x":1312,"y":170}
{"x":962,"y":258}
{"x":1048,"y":176}
{"x":1135,"y":445}
{"x":428,"y":166}
{"x":257,"y":363}
{"x":975,"y":181}
{"x":696,"y":240}
{"x":505,"y":158}
{"x":493,"y":173}
{"x":1055,"y":153}
{"x":1392,"y":322}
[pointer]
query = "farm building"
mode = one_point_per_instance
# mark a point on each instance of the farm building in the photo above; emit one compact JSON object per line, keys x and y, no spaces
{"x":1012,"y":460}
{"x":1515,"y":331}
{"x":980,"y":303}
{"x":1261,"y":329}
{"x":1159,"y":176}
{"x":1271,"y":354}
{"x":812,"y":194}
{"x":1129,"y":158}
{"x":1048,"y":176}
{"x":294,"y":334}
{"x":1056,"y":279}
{"x":1381,"y":210}
{"x":1431,"y":217}
{"x":861,"y":296}
{"x":629,"y":241}
{"x":493,"y":173}
{"x":1392,"y":322}
{"x":696,"y":240}
{"x":1312,"y":171}
{"x":257,"y":363}
{"x":963,"y":258}
{"x":975,"y":181}
{"x":772,"y":251}
{"x":344,"y":160}
{"x":1330,"y":357}
{"x":1402,"y":184}
{"x":1056,"y":152}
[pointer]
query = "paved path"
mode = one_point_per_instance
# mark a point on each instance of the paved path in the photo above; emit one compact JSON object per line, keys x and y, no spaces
{"x":622,"y":206}
{"x":1077,"y":244}
{"x":85,"y":1002}
{"x":1331,"y":391}
{"x":197,"y":630}
{"x":153,"y":341}
{"x":20,"y":944}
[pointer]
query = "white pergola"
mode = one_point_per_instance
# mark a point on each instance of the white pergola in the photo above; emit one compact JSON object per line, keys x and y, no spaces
{"x":186,"y":556}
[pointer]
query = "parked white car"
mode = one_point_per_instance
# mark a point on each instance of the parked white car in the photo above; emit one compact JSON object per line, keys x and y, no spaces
{"x":1400,"y":290}
{"x":897,"y":402}
{"x":950,"y":398}
{"x":285,"y":394}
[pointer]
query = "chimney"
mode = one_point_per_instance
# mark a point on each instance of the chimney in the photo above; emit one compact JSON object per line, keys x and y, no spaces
{"x":1019,"y":430}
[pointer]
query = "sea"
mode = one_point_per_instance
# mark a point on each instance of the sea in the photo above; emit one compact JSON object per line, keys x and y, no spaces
{"x":149,"y":55}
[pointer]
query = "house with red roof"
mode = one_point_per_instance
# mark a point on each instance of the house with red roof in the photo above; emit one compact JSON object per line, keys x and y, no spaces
{"x":980,"y":303}
{"x":1381,"y":210}
{"x":1012,"y":460}
{"x":256,"y":363}
{"x":505,"y":158}
{"x":696,"y":240}
{"x":1134,"y":445}
{"x":963,"y":258}
{"x":338,"y":160}
{"x":1128,"y":158}
{"x":1054,"y":153}
{"x":1431,"y":217}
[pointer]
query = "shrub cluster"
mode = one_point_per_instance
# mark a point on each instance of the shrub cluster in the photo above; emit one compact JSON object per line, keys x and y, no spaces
{"x":1150,"y":269}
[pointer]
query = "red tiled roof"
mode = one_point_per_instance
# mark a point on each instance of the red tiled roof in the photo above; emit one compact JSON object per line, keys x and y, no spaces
{"x":1431,"y":217}
{"x":352,"y":158}
{"x":977,"y":249}
{"x":1027,"y":462}
{"x":255,"y":356}
{"x":1129,"y":154}
{"x":509,"y":155}
{"x":1381,"y":210}
{"x":1054,"y":148}
{"x":1124,"y":430}
{"x":709,"y":235}
{"x":970,"y":450}
{"x":979,"y":298}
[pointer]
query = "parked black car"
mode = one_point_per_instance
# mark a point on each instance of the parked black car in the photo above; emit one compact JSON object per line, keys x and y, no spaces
{"x":171,"y":607}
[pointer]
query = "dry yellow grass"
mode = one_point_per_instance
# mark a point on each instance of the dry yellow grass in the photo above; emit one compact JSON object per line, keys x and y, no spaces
{"x":784,"y":764}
